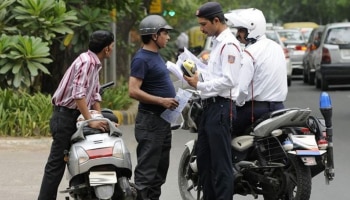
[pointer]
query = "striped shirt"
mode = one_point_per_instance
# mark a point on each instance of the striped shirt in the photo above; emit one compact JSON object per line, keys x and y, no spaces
{"x":80,"y":80}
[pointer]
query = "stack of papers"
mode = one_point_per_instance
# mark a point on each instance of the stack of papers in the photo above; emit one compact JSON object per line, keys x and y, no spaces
{"x":175,"y":69}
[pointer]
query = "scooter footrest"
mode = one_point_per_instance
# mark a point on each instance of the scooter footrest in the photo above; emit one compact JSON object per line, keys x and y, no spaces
{"x":71,"y":189}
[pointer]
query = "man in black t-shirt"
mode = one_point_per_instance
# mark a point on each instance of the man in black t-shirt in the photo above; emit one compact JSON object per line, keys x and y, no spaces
{"x":150,"y":84}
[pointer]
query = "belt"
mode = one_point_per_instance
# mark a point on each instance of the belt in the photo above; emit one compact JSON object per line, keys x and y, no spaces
{"x":212,"y":100}
{"x":149,"y":112}
{"x":263,"y":103}
{"x":65,"y":109}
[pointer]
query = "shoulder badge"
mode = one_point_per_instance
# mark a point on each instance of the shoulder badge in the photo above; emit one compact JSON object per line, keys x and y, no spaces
{"x":231,"y":59}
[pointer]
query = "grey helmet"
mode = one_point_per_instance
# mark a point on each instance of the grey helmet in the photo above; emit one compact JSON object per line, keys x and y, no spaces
{"x":152,"y":23}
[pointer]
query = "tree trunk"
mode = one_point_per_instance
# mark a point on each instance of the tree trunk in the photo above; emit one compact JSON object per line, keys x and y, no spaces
{"x":57,"y":68}
{"x":125,"y":50}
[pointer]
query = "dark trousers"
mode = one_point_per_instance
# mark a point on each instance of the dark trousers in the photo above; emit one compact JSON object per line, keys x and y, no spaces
{"x":153,"y":135}
{"x":244,"y":114}
{"x":62,"y":125}
{"x":214,"y":151}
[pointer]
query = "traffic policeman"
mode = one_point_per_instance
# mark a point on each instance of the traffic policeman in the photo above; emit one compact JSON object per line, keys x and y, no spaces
{"x":219,"y":90}
{"x":262,"y":82}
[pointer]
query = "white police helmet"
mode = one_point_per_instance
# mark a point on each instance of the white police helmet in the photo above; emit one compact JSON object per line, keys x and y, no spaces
{"x":251,"y":18}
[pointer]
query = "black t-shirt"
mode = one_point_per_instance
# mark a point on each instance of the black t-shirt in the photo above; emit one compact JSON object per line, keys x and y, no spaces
{"x":151,"y":68}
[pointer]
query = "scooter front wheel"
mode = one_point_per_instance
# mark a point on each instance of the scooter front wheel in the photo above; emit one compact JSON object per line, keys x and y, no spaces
{"x":188,"y":179}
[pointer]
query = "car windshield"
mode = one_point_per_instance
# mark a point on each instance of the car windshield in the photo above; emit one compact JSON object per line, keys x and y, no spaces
{"x":306,"y":32}
{"x":272,"y":35}
{"x":339,"y":35}
{"x":291,"y":36}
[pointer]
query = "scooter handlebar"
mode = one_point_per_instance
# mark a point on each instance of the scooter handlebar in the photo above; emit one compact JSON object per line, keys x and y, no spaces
{"x":105,"y":86}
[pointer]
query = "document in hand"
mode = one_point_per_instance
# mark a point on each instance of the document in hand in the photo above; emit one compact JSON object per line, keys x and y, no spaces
{"x":177,"y":76}
{"x":172,"y":116}
{"x":186,"y":55}
{"x":175,"y":70}
{"x":202,"y":68}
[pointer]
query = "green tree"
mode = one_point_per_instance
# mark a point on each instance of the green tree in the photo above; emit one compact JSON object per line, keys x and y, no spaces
{"x":34,"y":25}
{"x":129,"y":15}
{"x":25,"y":59}
{"x":66,"y":24}
{"x":5,"y":18}
{"x":46,"y":19}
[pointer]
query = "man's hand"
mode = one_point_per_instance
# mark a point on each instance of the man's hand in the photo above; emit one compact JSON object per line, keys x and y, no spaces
{"x":169,"y":103}
{"x":192,"y":81}
{"x":99,"y":124}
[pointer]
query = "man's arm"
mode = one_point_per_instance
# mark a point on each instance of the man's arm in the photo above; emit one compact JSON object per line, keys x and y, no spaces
{"x":84,"y":110}
{"x":135,"y":92}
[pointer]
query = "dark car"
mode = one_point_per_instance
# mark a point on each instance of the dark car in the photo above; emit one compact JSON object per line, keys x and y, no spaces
{"x":332,"y":58}
{"x":308,"y":60}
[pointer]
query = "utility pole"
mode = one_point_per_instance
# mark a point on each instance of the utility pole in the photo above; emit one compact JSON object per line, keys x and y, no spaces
{"x":110,"y":69}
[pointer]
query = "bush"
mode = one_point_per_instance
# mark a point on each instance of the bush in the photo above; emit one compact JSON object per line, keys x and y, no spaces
{"x":116,"y":98}
{"x":23,"y":114}
{"x":26,"y":115}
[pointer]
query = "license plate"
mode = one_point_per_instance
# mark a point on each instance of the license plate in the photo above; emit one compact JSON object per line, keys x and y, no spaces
{"x":309,"y":161}
{"x":102,"y":178}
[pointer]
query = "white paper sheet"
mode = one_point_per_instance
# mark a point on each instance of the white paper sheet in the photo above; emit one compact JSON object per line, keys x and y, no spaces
{"x":172,"y":116}
{"x":176,"y":68}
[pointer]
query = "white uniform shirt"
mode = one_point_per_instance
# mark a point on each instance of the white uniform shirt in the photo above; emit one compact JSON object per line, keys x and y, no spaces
{"x":223,"y":67}
{"x":264,"y":67}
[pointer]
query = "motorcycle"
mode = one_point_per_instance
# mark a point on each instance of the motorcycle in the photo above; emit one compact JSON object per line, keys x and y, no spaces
{"x":279,"y":157}
{"x":98,"y":163}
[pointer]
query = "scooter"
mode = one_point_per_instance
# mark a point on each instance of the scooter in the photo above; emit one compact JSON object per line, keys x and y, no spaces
{"x":98,"y":163}
{"x":279,"y":157}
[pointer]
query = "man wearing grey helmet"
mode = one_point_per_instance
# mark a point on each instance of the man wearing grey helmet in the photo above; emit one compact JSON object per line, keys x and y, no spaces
{"x":150,"y":84}
{"x":77,"y":92}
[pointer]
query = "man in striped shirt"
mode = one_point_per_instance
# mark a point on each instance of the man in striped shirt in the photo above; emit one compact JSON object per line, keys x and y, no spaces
{"x":77,"y":93}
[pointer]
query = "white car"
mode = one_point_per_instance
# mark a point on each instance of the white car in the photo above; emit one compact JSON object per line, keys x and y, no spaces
{"x":332,"y":58}
{"x":273,"y":35}
{"x":294,"y":40}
